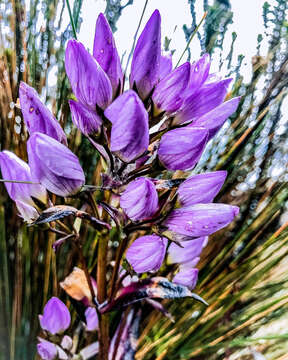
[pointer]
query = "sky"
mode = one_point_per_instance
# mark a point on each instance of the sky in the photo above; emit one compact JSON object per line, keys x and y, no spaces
{"x":247,"y":23}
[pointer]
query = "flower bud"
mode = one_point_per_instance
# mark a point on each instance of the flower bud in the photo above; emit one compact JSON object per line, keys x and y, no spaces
{"x":140,"y":199}
{"x":168,"y":93}
{"x":180,"y":149}
{"x":106,"y":54}
{"x":201,"y":188}
{"x":56,"y":317}
{"x":186,"y":277}
{"x":47,"y":350}
{"x":54,"y":165}
{"x":88,"y":80}
{"x":147,"y":253}
{"x":214,"y":119}
{"x":13,"y":168}
{"x":37,"y":116}
{"x":67,"y":342}
{"x":199,"y":103}
{"x":87,"y":121}
{"x":200,"y":219}
{"x":188,"y":250}
{"x":130,"y":129}
{"x":92,"y":322}
{"x":145,"y":67}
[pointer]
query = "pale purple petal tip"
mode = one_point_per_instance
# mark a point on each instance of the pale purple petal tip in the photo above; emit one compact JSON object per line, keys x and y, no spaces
{"x":47,"y":350}
{"x":86,"y":120}
{"x":186,"y":277}
{"x":92,"y":322}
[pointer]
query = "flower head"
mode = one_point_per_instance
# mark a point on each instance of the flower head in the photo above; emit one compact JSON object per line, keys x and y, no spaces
{"x":56,"y":317}
{"x":54,"y":165}
{"x":145,"y":67}
{"x":37,"y":116}
{"x":147,"y":253}
{"x":140,"y":199}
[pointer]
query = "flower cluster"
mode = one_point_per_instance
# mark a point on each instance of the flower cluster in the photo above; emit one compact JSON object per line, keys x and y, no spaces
{"x":160,"y":124}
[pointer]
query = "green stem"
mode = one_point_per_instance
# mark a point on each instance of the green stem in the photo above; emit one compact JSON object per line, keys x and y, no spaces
{"x":71,"y":19}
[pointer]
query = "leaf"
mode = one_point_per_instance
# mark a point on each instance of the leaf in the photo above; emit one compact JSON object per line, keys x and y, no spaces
{"x":158,"y":287}
{"x":55,"y":213}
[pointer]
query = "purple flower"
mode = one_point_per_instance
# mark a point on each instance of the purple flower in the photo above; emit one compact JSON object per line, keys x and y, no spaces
{"x":186,"y":277}
{"x":199,"y":73}
{"x":180,"y":149}
{"x":145,"y":67}
{"x":168,"y":93}
{"x":47,"y":350}
{"x":86,"y":120}
{"x":37,"y":116}
{"x":54,"y":165}
{"x":92,"y":321}
{"x":88,"y":80}
{"x":130,"y":130}
{"x":13,"y":168}
{"x":200,"y":219}
{"x":140,"y":199}
{"x":206,"y":99}
{"x":106,"y":54}
{"x":165,"y":65}
{"x":190,"y":250}
{"x":214,"y":119}
{"x":201,"y":188}
{"x":56,"y":317}
{"x":147,"y":253}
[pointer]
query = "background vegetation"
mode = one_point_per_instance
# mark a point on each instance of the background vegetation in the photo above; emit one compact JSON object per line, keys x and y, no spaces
{"x":243,"y":270}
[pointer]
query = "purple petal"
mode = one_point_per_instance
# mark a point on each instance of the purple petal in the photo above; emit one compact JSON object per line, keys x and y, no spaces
{"x":106,"y":54}
{"x":190,"y":250}
{"x":140,"y":199}
{"x":203,"y":101}
{"x":145,"y":67}
{"x":199,"y":73}
{"x":168,"y":94}
{"x":201,"y":219}
{"x":147,"y":253}
{"x":201,"y":188}
{"x":54,"y":165}
{"x":13,"y":168}
{"x":165,"y":65}
{"x":87,"y":121}
{"x":27,"y":212}
{"x":56,"y":317}
{"x":180,"y":149}
{"x":186,"y":277}
{"x":130,"y":130}
{"x":88,"y":80}
{"x":92,"y":321}
{"x":214,"y":119}
{"x":47,"y":350}
{"x":37,"y":116}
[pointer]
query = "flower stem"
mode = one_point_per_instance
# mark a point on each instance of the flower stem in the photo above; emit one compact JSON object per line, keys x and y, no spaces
{"x":71,"y":19}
